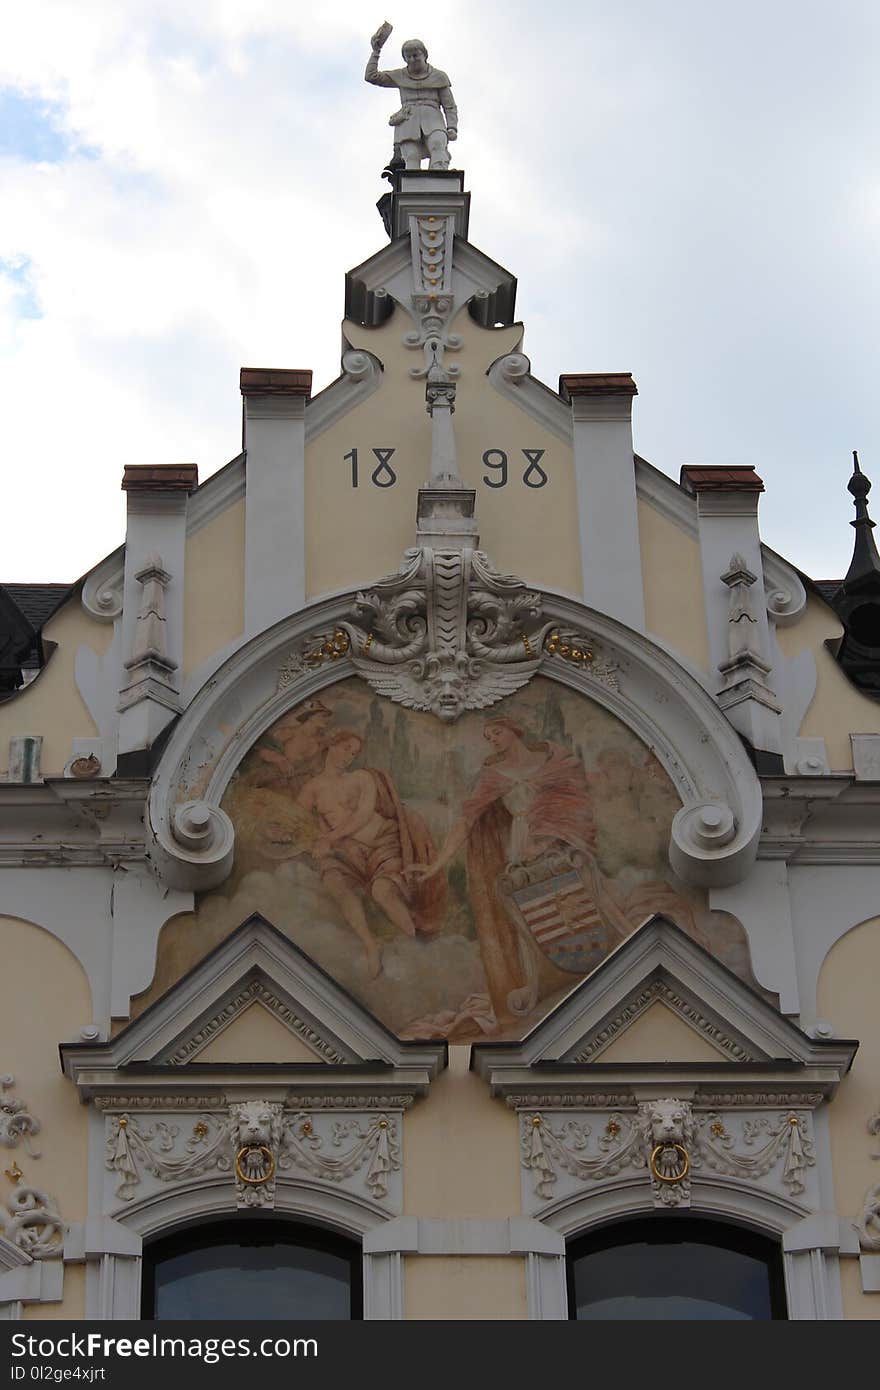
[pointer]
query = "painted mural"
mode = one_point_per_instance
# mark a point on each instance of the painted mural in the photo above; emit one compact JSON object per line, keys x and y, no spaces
{"x":458,"y":879}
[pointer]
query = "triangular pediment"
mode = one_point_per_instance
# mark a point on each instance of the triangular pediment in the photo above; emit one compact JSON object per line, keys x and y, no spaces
{"x":256,"y":1006}
{"x":259,"y":1030}
{"x":660,"y":1008}
{"x":662,"y":1033}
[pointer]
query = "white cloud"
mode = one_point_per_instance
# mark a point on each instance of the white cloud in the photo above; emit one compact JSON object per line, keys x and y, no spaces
{"x":674,"y":197}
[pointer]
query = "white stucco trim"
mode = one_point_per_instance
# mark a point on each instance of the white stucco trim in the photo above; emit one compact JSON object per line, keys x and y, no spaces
{"x":24,"y":1280}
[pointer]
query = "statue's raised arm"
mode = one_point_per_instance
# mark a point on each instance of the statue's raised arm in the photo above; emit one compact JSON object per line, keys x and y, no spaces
{"x":428,"y":117}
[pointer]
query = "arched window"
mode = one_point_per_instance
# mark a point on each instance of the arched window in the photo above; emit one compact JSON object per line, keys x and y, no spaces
{"x":674,"y":1267}
{"x":245,"y":1267}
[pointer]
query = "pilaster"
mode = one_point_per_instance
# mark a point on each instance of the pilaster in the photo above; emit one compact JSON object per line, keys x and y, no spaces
{"x":274,"y":404}
{"x":733,"y":569}
{"x":611,"y":564}
{"x":152,"y":603}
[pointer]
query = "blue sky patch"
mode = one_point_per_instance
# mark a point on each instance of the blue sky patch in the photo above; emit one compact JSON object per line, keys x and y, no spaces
{"x":32,"y":129}
{"x":18,"y":271}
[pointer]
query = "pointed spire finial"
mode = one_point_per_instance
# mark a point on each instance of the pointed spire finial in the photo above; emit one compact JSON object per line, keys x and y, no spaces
{"x":865,"y":564}
{"x":859,"y":486}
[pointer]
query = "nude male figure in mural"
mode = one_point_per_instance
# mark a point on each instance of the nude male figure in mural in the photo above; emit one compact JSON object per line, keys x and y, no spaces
{"x":359,"y":849}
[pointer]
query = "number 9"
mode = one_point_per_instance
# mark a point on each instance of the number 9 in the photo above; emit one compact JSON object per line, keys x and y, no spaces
{"x":501,"y":466}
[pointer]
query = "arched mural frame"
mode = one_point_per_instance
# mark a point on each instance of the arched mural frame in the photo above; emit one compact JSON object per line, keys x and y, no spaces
{"x":714,"y":836}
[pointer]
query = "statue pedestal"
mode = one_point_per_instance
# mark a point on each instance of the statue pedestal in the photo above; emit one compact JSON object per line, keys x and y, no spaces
{"x":425,"y":193}
{"x":445,"y":517}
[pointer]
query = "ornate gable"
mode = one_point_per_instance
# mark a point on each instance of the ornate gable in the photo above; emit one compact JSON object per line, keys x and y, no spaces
{"x":251,"y":1130}
{"x":254,"y":967}
{"x":753,"y":1043}
{"x":603,"y":1121}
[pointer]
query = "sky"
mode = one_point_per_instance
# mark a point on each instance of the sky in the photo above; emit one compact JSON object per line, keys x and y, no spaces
{"x":686,"y":191}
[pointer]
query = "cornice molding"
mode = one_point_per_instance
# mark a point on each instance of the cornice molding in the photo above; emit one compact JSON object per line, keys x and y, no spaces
{"x":64,"y":821}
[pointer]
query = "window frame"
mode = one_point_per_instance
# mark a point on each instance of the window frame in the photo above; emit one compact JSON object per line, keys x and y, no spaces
{"x":658,"y":1229}
{"x":251,"y":1229}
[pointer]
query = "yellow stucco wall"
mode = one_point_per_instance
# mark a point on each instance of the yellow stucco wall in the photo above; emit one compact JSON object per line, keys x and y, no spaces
{"x":672,"y":579}
{"x":256,"y":1036}
{"x":353,"y":535}
{"x":847,"y":997}
{"x":659,"y":1035}
{"x":213,"y":589}
{"x":462,"y":1149}
{"x":468,"y":1288}
{"x":837,"y":709}
{"x":43,"y":981}
{"x":52,"y":705}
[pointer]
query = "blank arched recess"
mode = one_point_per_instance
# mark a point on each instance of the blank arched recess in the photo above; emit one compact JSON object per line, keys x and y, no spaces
{"x":45,"y":1000}
{"x":847,"y":1003}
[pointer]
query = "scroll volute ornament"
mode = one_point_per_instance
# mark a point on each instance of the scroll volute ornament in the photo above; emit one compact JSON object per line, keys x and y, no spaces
{"x":447,"y":633}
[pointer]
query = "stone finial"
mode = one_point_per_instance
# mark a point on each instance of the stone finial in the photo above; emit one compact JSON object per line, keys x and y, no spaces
{"x":857,"y":601}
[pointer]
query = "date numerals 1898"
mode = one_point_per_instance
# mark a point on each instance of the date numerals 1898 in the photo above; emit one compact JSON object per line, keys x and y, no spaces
{"x":494,"y":460}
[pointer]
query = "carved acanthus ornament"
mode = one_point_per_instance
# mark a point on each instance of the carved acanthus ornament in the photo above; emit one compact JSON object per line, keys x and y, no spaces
{"x":447,"y":633}
{"x":668,"y":1139}
{"x":257,"y":1143}
{"x":17,"y":1125}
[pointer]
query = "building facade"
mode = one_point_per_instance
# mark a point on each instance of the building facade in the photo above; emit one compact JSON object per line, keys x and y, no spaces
{"x":446,"y":848}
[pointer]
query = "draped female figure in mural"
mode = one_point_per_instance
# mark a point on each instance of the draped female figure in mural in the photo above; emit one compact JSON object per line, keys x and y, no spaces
{"x":529,"y":820}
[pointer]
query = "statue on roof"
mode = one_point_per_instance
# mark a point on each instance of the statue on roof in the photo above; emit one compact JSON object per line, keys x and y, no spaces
{"x":428,"y":117}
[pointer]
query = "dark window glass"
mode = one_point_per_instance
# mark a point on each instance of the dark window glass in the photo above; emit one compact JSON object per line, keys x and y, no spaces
{"x":675,"y":1268}
{"x":250,"y":1269}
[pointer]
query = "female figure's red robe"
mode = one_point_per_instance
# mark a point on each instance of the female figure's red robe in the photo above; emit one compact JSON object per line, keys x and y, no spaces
{"x":553,"y":807}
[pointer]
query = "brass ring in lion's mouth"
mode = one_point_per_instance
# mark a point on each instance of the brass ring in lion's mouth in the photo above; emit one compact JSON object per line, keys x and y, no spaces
{"x":674,"y":1177}
{"x":270,"y":1165}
